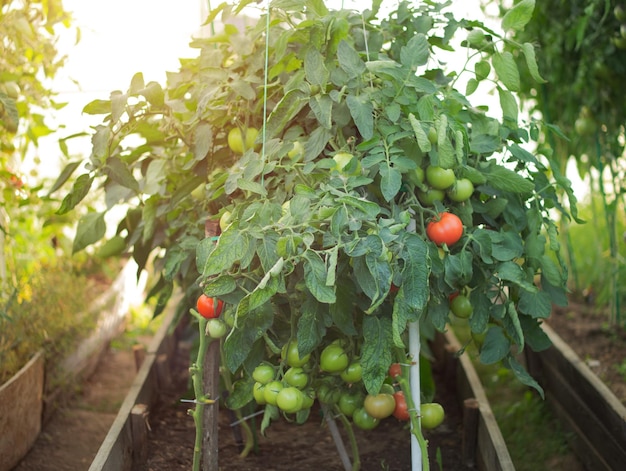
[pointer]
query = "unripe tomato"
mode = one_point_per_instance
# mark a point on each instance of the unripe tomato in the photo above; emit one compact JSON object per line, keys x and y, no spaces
{"x":271,"y":391}
{"x":296,"y":150}
{"x":428,"y":197}
{"x":258,"y":391}
{"x":380,"y":405}
{"x":461,"y":190}
{"x":349,"y":402}
{"x":236,"y":140}
{"x":225,"y":220}
{"x":216,"y":328}
{"x":289,"y":399}
{"x":416,"y":176}
{"x":401,"y":411}
{"x":363,"y":420}
{"x":207,"y":308}
{"x":448,"y":229}
{"x":291,"y":355}
{"x":333,"y":359}
{"x":346,"y":163}
{"x":353,"y":373}
{"x":461,"y":306}
{"x":431,"y":415}
{"x":296,"y":377}
{"x":263,"y":373}
{"x":440,"y":178}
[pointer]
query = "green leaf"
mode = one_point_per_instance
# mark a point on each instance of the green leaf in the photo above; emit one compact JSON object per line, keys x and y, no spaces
{"x":98,"y":107}
{"x":504,"y":179}
{"x":511,"y":271}
{"x":422,"y":139}
{"x":154,"y":94}
{"x":315,"y":276}
{"x":362,"y":111}
{"x":416,"y":271}
{"x":536,"y":305}
{"x":534,"y":335}
{"x":202,"y":140}
{"x":496,"y":346}
{"x":506,"y":68}
{"x":375,"y":352}
{"x":518,"y":16}
{"x":531,"y":62}
{"x":149,"y":217}
{"x":458,"y":268}
{"x":240,"y":341}
{"x":521,"y":374}
{"x":472,"y":85}
{"x":80,"y":189}
{"x":349,"y":60}
{"x":482,"y":70}
{"x":223,"y":284}
{"x":66,"y":173}
{"x":484,"y":144}
{"x":241,"y":393}
{"x":416,"y":51}
{"x":259,"y":296}
{"x":231,"y":247}
{"x":342,"y":311}
{"x":284,"y":111}
{"x":312,"y":325}
{"x":322,"y":107}
{"x":512,"y":325}
{"x":91,"y":228}
{"x":119,"y":173}
{"x":390,"y":181}
{"x":315,"y":70}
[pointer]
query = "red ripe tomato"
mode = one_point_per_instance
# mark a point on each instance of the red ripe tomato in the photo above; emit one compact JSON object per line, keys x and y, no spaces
{"x":401,"y":412}
{"x":447,"y":229}
{"x":395,"y":370}
{"x":207,"y":308}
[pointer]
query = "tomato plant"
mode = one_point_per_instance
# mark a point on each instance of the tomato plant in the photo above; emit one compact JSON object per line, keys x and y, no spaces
{"x":290,"y":399}
{"x":446,"y":228}
{"x":208,"y":308}
{"x":461,"y":306}
{"x":216,"y":328}
{"x":296,"y":377}
{"x":349,"y":402}
{"x":353,"y":373}
{"x":320,"y":220}
{"x":263,"y":373}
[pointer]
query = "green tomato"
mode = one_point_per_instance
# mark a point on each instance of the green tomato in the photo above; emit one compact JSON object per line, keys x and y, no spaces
{"x":291,"y":355}
{"x":461,"y":190}
{"x":334,"y":359}
{"x":353,"y":373}
{"x":346,"y":163}
{"x":236,"y":141}
{"x":379,"y":406}
{"x":461,"y":306}
{"x":440,"y":178}
{"x":290,"y":399}
{"x":349,"y":402}
{"x":432,"y":135}
{"x":271,"y":391}
{"x":216,"y":328}
{"x":363,"y":420}
{"x":428,"y":198}
{"x":296,"y":150}
{"x":431,"y":415}
{"x":328,"y":394}
{"x":296,"y":377}
{"x":258,"y":391}
{"x":308,"y":398}
{"x":225,"y":220}
{"x":263,"y":373}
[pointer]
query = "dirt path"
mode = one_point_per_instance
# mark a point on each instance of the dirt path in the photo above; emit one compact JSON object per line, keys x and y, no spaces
{"x":72,"y":437}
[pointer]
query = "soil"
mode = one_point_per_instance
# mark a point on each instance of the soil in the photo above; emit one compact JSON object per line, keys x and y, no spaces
{"x":72,"y":437}
{"x":289,"y":447}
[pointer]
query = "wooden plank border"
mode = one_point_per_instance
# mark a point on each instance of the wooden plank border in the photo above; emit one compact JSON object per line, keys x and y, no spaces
{"x":585,"y":405}
{"x":491,"y":452}
{"x":117,"y":448}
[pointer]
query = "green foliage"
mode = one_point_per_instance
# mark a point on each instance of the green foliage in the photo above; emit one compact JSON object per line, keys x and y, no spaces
{"x":51,"y":310}
{"x":314,"y":246}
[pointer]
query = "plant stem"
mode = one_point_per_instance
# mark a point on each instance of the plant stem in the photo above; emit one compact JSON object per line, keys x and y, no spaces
{"x":196,"y":376}
{"x":334,"y":432}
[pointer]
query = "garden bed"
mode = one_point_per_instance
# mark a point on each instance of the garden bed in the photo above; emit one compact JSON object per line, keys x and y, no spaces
{"x":588,"y":407}
{"x":469,"y":436}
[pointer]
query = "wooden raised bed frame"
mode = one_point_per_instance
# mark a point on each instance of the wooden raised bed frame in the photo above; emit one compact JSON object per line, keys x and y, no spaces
{"x":583,"y":403}
{"x":126,"y":443}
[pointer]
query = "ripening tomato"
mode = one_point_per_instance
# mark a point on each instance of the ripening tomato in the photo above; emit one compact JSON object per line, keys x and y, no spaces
{"x":401,"y":412}
{"x":380,"y":405}
{"x":216,"y":328}
{"x":207,"y":308}
{"x":447,"y":229}
{"x":395,"y":370}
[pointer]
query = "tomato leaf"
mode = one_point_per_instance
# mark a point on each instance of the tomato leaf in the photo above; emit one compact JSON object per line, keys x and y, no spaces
{"x":315,"y":276}
{"x":241,"y":393}
{"x":349,"y":60}
{"x":513,"y":327}
{"x":240,"y":341}
{"x":315,"y":70}
{"x":284,"y":111}
{"x":416,"y":271}
{"x":91,"y":228}
{"x":504,"y":179}
{"x":511,"y":271}
{"x":390,"y":181}
{"x":223,"y":284}
{"x":312,"y":324}
{"x":416,"y":51}
{"x":495,"y":347}
{"x":509,"y":106}
{"x":536,"y":305}
{"x":518,"y":16}
{"x":231,"y":247}
{"x":534,"y":335}
{"x":458,"y":268}
{"x":342,"y":311}
{"x":322,"y":107}
{"x":361,"y":110}
{"x":376,"y":351}
{"x":521,"y":374}
{"x":80,"y":189}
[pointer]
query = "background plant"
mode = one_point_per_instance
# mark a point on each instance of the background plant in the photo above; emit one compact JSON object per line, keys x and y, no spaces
{"x":582,"y":55}
{"x":324,"y":215}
